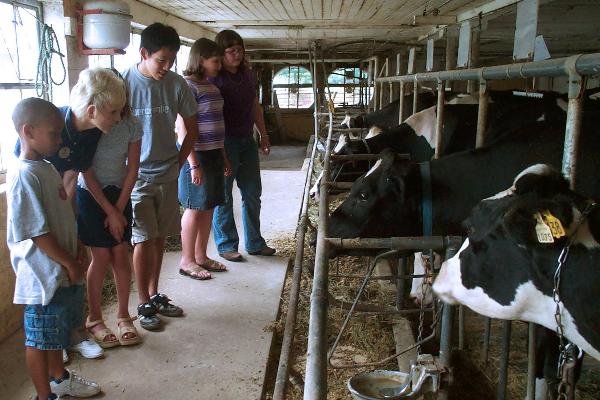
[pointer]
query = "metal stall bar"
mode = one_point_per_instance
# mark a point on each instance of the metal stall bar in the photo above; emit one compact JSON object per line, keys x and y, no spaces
{"x":315,"y":386}
{"x":585,"y":64}
{"x":376,"y":105}
{"x":290,"y":320}
{"x":452,"y":246}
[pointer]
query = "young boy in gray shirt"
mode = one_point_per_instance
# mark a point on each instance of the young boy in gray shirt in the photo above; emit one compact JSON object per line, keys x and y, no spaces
{"x":42,"y":240}
{"x":157,"y":96}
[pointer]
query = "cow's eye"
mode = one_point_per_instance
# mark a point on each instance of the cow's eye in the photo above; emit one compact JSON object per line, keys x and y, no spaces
{"x":363,"y":196}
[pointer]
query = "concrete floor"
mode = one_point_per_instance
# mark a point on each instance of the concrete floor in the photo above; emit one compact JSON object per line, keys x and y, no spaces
{"x":219,"y":349}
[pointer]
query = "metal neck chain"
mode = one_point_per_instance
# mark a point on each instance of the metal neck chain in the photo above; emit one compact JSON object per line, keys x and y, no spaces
{"x":425,"y":287}
{"x":566,"y":357}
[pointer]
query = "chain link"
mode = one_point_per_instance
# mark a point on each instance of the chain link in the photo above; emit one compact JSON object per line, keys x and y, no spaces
{"x":566,"y":359}
{"x":425,"y":287}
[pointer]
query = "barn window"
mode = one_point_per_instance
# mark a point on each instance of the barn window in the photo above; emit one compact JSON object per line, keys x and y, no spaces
{"x":19,"y":47}
{"x":348,"y":87}
{"x":293,"y":87}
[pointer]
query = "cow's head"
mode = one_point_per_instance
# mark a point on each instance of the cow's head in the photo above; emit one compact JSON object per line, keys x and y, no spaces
{"x":505,"y":268}
{"x":378,"y":204}
{"x":352,"y":122}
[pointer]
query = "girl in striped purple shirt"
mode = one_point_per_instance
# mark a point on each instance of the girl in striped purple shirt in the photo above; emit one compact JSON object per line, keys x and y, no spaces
{"x":201,"y":180}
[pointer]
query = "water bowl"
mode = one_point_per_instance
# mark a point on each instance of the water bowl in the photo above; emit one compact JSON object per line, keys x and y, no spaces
{"x":373,"y":384}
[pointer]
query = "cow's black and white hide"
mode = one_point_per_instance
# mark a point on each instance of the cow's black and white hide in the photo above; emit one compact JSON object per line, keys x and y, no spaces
{"x":387,"y":201}
{"x":503,"y":271}
{"x":387,"y":117}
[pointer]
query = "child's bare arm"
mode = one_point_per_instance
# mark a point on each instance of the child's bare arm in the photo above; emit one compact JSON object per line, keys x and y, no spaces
{"x":133,"y":165}
{"x":49,"y":245}
{"x":187,"y":142}
{"x":182,"y":132}
{"x":70,"y":182}
{"x":114,"y":218}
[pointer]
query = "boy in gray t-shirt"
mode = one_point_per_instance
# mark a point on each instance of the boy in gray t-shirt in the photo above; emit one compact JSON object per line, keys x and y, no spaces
{"x":43,"y":248}
{"x":158,"y":95}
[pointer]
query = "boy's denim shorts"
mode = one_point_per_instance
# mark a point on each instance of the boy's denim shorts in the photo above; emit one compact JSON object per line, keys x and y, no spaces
{"x":50,"y":327}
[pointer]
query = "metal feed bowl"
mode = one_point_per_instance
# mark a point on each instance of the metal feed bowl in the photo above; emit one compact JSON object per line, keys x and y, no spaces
{"x":371,"y":385}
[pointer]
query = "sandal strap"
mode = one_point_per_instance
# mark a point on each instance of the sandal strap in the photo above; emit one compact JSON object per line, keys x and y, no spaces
{"x":126,"y":319}
{"x":127,"y":329}
{"x":90,"y":324}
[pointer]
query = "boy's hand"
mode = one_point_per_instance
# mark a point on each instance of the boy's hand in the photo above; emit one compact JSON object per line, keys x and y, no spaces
{"x":116,"y":223}
{"x":75,"y":271}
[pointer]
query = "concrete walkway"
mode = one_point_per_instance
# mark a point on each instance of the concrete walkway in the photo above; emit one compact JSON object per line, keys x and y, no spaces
{"x":219,"y":349}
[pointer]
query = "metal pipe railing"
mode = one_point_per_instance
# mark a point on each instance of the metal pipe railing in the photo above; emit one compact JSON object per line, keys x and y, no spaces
{"x":586,"y":64}
{"x":290,"y":321}
{"x":315,"y":385}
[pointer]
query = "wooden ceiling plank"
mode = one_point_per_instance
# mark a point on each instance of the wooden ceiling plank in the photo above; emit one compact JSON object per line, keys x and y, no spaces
{"x":308,"y":9}
{"x":326,"y":9}
{"x":336,"y":8}
{"x":294,"y":9}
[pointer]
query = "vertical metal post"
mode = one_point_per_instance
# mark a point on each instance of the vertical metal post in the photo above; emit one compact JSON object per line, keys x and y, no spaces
{"x":398,"y":60}
{"x":415,"y":96}
{"x":504,"y":357}
{"x":531,"y":363}
{"x":401,"y":104}
{"x":486,"y":339}
{"x":376,"y":105}
{"x":400,"y":283}
{"x":452,"y":247}
{"x":482,"y":115}
{"x":369,"y":83}
{"x":574,"y":120}
{"x":474,"y":57}
{"x":451,"y":48}
{"x":439,"y":122}
{"x":387,"y":70}
{"x":412,"y":56}
{"x":461,"y":327}
{"x":390,"y":85}
{"x":315,"y":385}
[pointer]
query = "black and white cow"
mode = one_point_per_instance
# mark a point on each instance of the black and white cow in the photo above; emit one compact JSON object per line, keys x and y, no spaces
{"x":416,"y":136}
{"x":387,"y":117}
{"x":387,"y":201}
{"x":505,"y":269}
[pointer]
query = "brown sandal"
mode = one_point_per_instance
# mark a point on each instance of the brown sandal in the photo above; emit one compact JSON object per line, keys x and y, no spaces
{"x":101,"y":335}
{"x":195,"y":271}
{"x":128,"y":328}
{"x":213,"y":266}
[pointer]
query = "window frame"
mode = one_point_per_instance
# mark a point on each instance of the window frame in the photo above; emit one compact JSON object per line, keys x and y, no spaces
{"x":37,"y":9}
{"x":289,"y":86}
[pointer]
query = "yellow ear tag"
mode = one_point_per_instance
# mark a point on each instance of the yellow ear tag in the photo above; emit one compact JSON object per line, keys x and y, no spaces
{"x":554,"y":224}
{"x":543,"y":232}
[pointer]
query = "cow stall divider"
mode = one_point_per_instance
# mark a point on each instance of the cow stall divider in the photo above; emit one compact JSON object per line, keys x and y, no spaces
{"x":427,"y":373}
{"x":576,"y":68}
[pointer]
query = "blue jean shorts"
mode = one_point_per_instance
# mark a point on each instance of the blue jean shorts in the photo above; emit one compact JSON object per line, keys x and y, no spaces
{"x":50,"y":327}
{"x":211,"y":192}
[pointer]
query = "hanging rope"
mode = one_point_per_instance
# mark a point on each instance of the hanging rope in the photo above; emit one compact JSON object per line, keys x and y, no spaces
{"x":48,"y":47}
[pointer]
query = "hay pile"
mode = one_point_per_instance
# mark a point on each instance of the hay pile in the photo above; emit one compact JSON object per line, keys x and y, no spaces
{"x":367,"y":338}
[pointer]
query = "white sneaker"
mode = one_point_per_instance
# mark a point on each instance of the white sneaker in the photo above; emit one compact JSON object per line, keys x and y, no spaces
{"x":65,"y":356}
{"x":74,"y":386}
{"x":88,"y":348}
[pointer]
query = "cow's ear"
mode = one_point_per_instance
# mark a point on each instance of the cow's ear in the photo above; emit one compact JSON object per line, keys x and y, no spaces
{"x":529,"y":223}
{"x":543,"y":180}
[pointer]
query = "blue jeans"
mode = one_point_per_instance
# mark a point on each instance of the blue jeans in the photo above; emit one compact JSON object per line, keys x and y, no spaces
{"x":243,"y":156}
